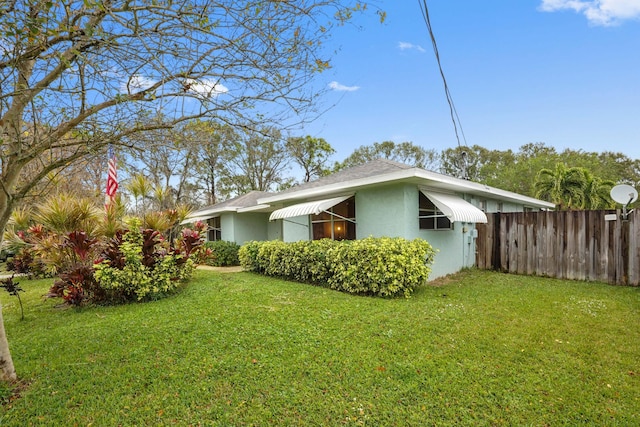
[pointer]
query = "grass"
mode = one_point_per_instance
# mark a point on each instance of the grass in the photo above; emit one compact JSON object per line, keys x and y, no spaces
{"x":239,"y":349}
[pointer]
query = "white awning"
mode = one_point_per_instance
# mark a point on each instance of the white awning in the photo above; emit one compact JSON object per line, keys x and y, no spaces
{"x":455,"y":208}
{"x":306,"y":208}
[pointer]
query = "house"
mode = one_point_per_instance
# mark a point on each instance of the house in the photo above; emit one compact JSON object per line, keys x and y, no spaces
{"x":380,"y":198}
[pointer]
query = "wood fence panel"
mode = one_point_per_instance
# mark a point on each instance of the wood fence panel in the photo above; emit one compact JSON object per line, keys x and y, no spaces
{"x":634,"y":242}
{"x":581,"y":228}
{"x":550,"y":232}
{"x":531,"y":242}
{"x":577,"y":245}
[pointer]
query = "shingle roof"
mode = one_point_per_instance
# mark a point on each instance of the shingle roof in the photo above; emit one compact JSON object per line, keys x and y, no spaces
{"x":244,"y":201}
{"x":367,"y":170}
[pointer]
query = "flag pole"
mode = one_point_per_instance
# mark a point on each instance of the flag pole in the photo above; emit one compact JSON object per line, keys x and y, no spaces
{"x":112,"y":178}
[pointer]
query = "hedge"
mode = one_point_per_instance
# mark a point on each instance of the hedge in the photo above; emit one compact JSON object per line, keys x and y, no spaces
{"x":222,"y":253}
{"x":381,"y":266}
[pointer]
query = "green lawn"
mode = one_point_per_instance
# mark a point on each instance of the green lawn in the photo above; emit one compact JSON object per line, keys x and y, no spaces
{"x":237,"y":349}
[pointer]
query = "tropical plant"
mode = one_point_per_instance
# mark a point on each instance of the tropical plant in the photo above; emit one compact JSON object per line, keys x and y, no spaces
{"x":140,"y":188}
{"x":76,"y":283}
{"x":563,"y":186}
{"x":596,"y":192}
{"x":140,"y":264}
{"x":64,"y":213}
{"x":14,"y":289}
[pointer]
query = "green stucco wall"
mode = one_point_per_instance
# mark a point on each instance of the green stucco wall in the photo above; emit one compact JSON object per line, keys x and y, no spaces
{"x":274,"y":230}
{"x":295,"y":229}
{"x":393,"y":211}
{"x":241,"y":228}
{"x":386,"y":211}
{"x":227,"y":232}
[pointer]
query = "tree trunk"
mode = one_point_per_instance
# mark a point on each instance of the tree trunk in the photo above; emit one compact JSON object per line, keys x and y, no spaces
{"x":7,"y":371}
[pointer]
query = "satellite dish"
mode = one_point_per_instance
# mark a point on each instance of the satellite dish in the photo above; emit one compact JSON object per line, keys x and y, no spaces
{"x":624,"y":194}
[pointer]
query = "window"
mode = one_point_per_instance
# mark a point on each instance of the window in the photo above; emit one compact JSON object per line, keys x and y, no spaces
{"x":337,"y":223}
{"x":214,"y":233}
{"x":430,"y":217}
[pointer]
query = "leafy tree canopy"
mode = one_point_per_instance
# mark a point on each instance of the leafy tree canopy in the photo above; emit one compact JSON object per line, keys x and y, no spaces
{"x":404,"y":152}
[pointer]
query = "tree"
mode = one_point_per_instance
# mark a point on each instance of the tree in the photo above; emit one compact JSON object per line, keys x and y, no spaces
{"x":463,"y":162}
{"x":563,"y":186}
{"x":596,"y":192}
{"x":79,"y":74}
{"x":211,"y":141}
{"x":166,"y":158}
{"x":311,"y":154}
{"x":405,"y":152}
{"x":257,"y":161}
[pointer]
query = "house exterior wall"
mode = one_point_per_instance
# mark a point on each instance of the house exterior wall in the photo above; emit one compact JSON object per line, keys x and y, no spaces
{"x":274,"y":230}
{"x":386,"y":210}
{"x":250,"y":226}
{"x":393,"y":211}
{"x":241,"y":228}
{"x":294,"y":229}
{"x":499,"y":206}
{"x":227,"y":232}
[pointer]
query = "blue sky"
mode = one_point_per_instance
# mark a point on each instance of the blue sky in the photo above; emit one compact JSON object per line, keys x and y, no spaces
{"x":562,"y":72}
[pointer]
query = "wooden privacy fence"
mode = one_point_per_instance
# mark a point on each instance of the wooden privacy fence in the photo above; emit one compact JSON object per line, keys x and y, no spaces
{"x":579,"y":245}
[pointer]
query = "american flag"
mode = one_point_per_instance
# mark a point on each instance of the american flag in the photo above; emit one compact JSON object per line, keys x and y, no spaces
{"x":112,"y":179}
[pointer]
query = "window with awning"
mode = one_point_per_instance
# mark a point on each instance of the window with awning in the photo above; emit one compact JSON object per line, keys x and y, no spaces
{"x":337,"y":222}
{"x":446,"y":207}
{"x":333,"y":218}
{"x":308,"y":208}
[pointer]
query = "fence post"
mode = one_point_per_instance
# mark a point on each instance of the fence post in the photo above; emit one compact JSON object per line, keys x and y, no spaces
{"x":623,"y":275}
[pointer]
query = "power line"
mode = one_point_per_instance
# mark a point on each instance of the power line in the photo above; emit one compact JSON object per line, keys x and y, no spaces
{"x":452,"y":109}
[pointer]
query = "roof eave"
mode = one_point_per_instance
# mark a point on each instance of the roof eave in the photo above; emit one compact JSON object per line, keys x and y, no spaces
{"x":445,"y":181}
{"x":338,"y":187}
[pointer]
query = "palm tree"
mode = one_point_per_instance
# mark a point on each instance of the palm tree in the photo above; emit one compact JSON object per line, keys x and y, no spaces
{"x":596,"y":192}
{"x":140,"y":187}
{"x":563,"y":186}
{"x":65,"y":213}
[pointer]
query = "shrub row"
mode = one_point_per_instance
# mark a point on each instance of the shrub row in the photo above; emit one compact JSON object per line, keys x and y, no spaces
{"x":222,"y":253}
{"x":372,"y":266}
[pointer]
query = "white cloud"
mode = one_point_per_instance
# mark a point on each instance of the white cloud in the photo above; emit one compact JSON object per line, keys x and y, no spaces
{"x":598,"y":12}
{"x":136,"y":83}
{"x":205,"y":88}
{"x":342,"y":88}
{"x":406,"y":46}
